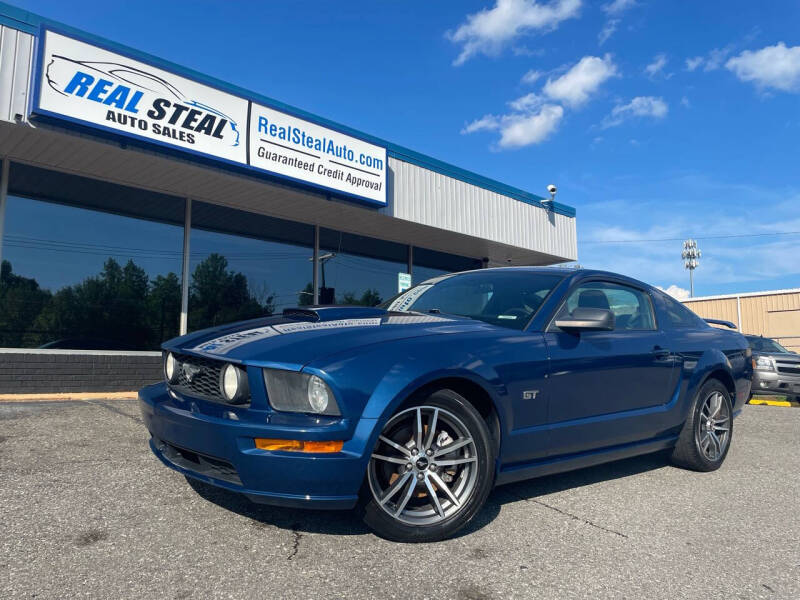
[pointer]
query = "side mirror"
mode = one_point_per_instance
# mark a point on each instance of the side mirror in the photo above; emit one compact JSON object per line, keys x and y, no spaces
{"x":600,"y":319}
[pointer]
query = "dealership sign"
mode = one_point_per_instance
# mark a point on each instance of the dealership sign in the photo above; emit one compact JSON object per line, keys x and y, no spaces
{"x":93,"y":86}
{"x":303,"y":150}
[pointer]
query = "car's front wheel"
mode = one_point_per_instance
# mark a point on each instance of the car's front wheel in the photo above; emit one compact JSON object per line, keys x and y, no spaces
{"x":431,"y":470}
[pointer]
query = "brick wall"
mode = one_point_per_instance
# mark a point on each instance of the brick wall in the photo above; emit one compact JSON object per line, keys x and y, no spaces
{"x":40,"y":372}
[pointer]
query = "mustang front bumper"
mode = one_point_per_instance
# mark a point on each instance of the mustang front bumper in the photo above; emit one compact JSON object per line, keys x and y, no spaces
{"x":220,"y":450}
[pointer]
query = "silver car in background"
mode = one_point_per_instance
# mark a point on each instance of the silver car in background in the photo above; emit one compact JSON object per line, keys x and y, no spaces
{"x":776,"y":370}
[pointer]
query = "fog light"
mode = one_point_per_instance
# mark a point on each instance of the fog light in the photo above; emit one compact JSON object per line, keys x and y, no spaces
{"x":325,"y":447}
{"x":171,"y":368}
{"x":233,"y":384}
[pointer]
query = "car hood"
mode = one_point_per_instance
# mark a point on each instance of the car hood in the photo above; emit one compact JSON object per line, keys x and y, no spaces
{"x":784,"y":357}
{"x":300,"y":336}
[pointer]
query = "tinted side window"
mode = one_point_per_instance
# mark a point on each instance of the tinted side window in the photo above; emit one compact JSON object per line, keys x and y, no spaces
{"x":680,"y":316}
{"x":632,"y":308}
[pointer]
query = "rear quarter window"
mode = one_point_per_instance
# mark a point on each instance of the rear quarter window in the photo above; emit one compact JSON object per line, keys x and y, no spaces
{"x":679,"y":316}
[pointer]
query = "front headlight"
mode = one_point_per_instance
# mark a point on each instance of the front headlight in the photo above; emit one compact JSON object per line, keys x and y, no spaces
{"x":764,"y":363}
{"x":291,"y":391}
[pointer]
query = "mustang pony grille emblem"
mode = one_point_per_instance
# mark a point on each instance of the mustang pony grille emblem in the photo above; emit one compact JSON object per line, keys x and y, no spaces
{"x":191,"y":371}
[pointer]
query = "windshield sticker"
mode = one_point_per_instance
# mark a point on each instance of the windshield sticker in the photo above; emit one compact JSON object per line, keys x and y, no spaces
{"x":225,"y":343}
{"x":403,"y":303}
{"x":339,"y":324}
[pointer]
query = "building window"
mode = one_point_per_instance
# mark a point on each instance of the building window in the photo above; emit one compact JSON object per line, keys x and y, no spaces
{"x":358,"y":269}
{"x":245,"y":265}
{"x":88,"y":265}
{"x":430,"y":263}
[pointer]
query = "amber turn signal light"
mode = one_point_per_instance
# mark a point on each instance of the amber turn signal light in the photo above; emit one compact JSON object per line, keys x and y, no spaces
{"x":299,"y":445}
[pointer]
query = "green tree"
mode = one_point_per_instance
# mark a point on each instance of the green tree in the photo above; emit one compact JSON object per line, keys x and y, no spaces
{"x":111,"y":306}
{"x":164,"y":307}
{"x":219,"y":295}
{"x":21,"y":301}
{"x":370,"y":297}
{"x":306,"y":296}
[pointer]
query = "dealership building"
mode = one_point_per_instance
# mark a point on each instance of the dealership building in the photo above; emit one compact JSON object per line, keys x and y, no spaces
{"x":140,"y":200}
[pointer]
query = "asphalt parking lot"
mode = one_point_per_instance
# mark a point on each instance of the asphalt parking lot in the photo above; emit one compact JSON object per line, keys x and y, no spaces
{"x":87,"y":512}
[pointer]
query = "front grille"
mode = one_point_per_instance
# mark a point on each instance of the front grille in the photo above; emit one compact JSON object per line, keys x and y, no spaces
{"x":199,"y":377}
{"x":791,"y":370}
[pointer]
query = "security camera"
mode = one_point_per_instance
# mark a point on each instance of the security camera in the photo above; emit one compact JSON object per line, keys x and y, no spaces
{"x":552,"y":189}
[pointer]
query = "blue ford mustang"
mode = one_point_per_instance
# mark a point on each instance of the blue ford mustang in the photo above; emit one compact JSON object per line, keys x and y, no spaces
{"x":421,"y":405}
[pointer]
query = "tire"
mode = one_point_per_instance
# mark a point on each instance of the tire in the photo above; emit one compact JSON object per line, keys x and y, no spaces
{"x":706,"y":435}
{"x":409,"y":494}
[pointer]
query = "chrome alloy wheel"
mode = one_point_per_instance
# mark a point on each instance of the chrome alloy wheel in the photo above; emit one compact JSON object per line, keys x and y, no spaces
{"x":424,"y":467}
{"x":714,"y":426}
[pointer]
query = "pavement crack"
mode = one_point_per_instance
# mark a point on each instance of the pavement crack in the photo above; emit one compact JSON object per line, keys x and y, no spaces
{"x":114,"y":409}
{"x":296,"y":537}
{"x":577,"y":518}
{"x":571,"y":516}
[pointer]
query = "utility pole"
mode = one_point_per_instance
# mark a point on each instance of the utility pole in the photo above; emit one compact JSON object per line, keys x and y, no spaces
{"x":691,"y":258}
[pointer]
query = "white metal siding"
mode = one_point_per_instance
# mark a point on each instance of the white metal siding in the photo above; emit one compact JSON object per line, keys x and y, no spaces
{"x":16,"y":59}
{"x":433,"y":199}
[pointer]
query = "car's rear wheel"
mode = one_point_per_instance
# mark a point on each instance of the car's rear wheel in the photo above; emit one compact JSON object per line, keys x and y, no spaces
{"x":431,"y":470}
{"x":706,"y":435}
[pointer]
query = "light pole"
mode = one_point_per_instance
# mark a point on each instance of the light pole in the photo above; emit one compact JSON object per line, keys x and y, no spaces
{"x":691,"y":258}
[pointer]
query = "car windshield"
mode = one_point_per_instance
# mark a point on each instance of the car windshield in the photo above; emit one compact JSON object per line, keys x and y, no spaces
{"x":508,"y":298}
{"x":760,"y":344}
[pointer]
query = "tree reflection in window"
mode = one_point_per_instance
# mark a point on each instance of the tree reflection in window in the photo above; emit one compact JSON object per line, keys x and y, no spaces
{"x":121,"y":308}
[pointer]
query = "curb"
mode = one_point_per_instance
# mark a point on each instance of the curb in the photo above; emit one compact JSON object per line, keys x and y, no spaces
{"x":68,"y":397}
{"x":786,"y":403}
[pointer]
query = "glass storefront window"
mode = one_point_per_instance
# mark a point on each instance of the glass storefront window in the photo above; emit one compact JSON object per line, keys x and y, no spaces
{"x":92,"y":265}
{"x":359,"y":270}
{"x":244,"y":265}
{"x":77,"y":278}
{"x":430,"y":263}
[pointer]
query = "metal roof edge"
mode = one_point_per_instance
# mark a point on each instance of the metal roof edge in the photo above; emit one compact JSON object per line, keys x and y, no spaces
{"x":743,"y":295}
{"x":31,"y":23}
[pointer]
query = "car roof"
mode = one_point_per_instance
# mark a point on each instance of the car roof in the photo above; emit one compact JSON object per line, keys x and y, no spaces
{"x":576,"y":273}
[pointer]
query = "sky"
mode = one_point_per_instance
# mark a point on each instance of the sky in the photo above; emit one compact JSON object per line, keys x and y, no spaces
{"x":657,"y":120}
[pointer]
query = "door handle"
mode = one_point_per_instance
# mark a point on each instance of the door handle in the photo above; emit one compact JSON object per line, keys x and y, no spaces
{"x":661,"y":353}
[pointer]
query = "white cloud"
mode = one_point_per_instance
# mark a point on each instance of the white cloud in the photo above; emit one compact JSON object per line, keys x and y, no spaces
{"x":527,"y":103}
{"x":520,"y":128}
{"x":657,"y":66}
{"x":641,"y":106}
{"x":693,"y":63}
{"x":485,"y":123}
{"x":775,"y":67}
{"x":711,"y":62}
{"x":618,"y":6}
{"x":576,"y":85}
{"x":715,"y":58}
{"x":531,"y":129}
{"x":613,"y":10}
{"x":531,"y":76}
{"x":489,"y":30}
{"x":607,"y":31}
{"x":675,"y":291}
{"x":685,"y":102}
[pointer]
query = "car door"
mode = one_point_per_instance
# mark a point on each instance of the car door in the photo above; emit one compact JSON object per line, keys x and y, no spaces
{"x":600,"y":381}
